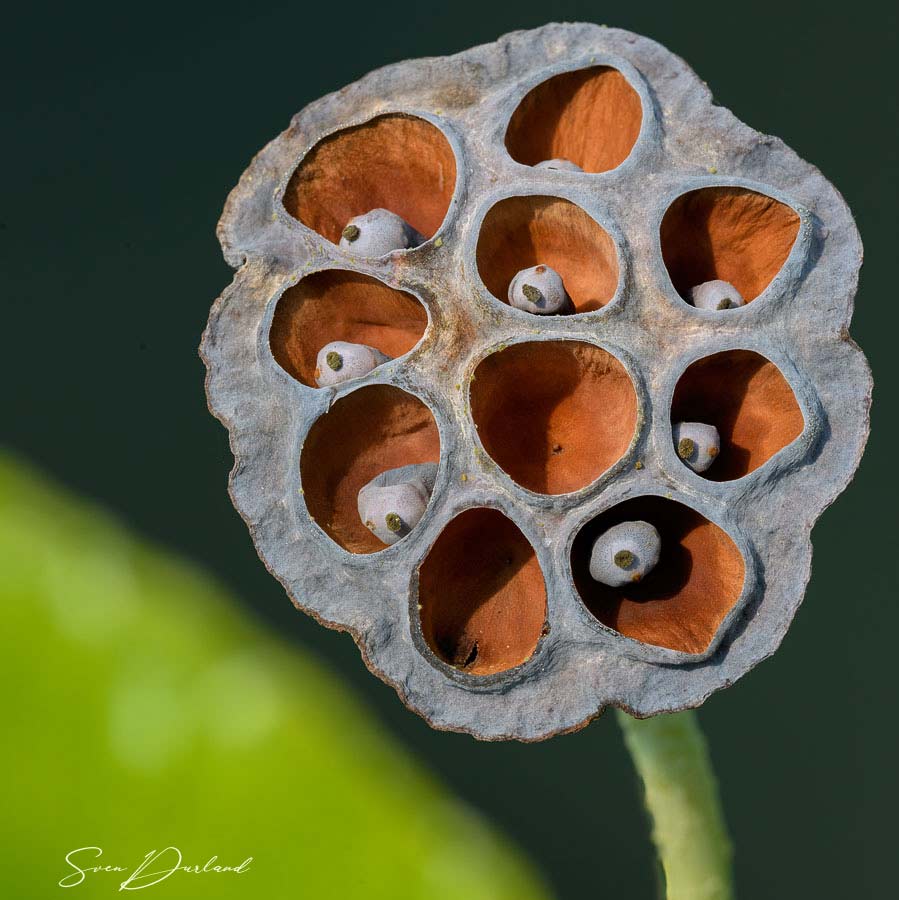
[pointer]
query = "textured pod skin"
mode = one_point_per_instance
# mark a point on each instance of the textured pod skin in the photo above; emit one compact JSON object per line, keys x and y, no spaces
{"x":799,"y":321}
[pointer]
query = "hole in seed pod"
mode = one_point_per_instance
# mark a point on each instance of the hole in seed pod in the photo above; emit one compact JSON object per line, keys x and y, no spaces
{"x":482,"y":594}
{"x":728,"y":234}
{"x":554,"y":414}
{"x":365,"y":433}
{"x":590,"y":117}
{"x":395,"y":162}
{"x":334,"y":305}
{"x":683,"y":600}
{"x":521,"y":232}
{"x":748,"y":400}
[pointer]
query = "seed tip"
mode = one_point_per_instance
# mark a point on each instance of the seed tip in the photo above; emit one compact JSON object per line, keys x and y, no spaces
{"x":334,"y":360}
{"x":393,"y":521}
{"x":351,"y":233}
{"x":685,"y":448}
{"x":624,"y":559}
{"x":531,"y":293}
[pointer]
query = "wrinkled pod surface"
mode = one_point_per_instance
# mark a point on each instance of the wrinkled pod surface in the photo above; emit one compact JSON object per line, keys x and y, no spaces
{"x":547,"y":431}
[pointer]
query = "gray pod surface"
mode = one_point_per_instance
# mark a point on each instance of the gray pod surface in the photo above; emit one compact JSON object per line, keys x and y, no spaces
{"x":547,"y":431}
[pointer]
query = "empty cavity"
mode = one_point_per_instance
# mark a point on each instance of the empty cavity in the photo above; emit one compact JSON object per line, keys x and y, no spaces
{"x":482,"y":594}
{"x":396,"y":162}
{"x":590,"y":117}
{"x":748,"y":400}
{"x":729,"y":234}
{"x":363,"y":434}
{"x":554,"y":414}
{"x":520,"y":232}
{"x":681,"y":603}
{"x":342,"y":306}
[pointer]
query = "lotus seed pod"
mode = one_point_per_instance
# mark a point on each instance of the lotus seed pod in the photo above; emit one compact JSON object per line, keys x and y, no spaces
{"x":697,"y":444}
{"x":341,"y":361}
{"x":716,"y":295}
{"x":392,"y":504}
{"x":551,"y":431}
{"x":540,"y":290}
{"x":378,"y":232}
{"x":559,"y":165}
{"x":625,"y":554}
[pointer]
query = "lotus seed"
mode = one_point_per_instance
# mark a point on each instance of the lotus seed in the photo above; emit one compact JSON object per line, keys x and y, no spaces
{"x":561,"y":165}
{"x":625,"y":554}
{"x":540,"y":290}
{"x":697,"y":444}
{"x":377,"y":232}
{"x":341,"y":361}
{"x":392,"y":503}
{"x":716,"y":295}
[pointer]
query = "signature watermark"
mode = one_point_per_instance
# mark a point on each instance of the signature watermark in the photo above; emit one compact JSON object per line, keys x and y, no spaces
{"x":156,"y":866}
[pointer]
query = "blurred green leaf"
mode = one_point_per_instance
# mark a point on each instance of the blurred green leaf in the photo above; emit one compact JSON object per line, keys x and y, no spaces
{"x":144,"y":710}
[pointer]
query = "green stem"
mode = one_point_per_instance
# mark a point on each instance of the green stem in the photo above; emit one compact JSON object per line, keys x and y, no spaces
{"x":688,"y":830}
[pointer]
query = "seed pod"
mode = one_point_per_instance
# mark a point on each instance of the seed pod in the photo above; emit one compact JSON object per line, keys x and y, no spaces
{"x":540,"y":290}
{"x":697,"y":444}
{"x":485,"y":617}
{"x":559,"y":165}
{"x":378,"y":232}
{"x":716,"y":295}
{"x":625,"y":554}
{"x":392,"y":503}
{"x":341,"y":361}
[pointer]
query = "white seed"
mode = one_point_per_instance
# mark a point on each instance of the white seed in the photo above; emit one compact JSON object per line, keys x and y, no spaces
{"x":697,"y":444}
{"x":716,"y":295}
{"x":562,"y":165}
{"x":377,"y":232}
{"x":341,"y":361}
{"x":540,"y":290}
{"x":392,"y":503}
{"x":625,"y":554}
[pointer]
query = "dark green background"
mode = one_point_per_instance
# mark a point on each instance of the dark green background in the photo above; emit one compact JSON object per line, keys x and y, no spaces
{"x":126,"y":126}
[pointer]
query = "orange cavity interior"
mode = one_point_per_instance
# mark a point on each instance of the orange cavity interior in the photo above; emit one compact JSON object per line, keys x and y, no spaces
{"x":334,"y":305}
{"x":553,"y":414}
{"x":396,"y":162}
{"x":681,"y":603}
{"x":727,"y":233}
{"x":482,"y":594}
{"x":520,"y":232}
{"x":375,"y":428}
{"x":748,"y":400}
{"x":591,"y":117}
